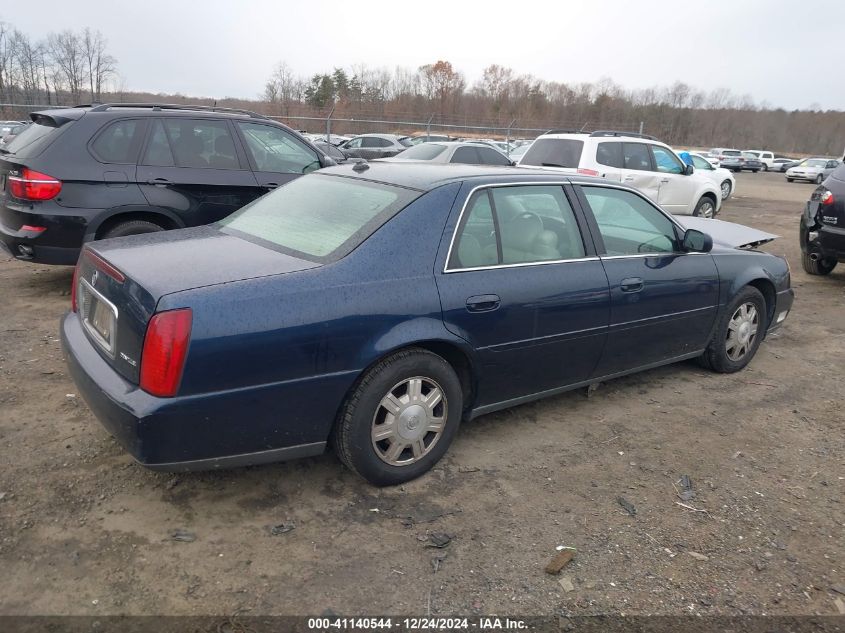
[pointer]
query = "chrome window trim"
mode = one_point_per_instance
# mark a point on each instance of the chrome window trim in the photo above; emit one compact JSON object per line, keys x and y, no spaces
{"x":556,"y":183}
{"x":95,"y":336}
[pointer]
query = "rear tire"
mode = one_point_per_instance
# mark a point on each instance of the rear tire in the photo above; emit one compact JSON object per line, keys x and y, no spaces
{"x":705,"y":208}
{"x":821,"y":266}
{"x":131,"y":227}
{"x":738,"y":333}
{"x":765,"y":167}
{"x":391,"y":402}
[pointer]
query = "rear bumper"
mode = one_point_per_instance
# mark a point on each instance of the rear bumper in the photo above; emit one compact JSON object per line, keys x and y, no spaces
{"x":221,"y":430}
{"x":59,"y":243}
{"x":827,"y":241}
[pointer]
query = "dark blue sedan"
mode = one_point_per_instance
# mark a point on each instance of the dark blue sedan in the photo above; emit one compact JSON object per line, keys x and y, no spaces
{"x":376,"y":306}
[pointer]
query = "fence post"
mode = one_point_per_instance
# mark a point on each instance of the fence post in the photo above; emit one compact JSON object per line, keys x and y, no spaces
{"x":508,"y":137}
{"x":428,"y":129}
{"x":329,"y":126}
{"x":641,"y":127}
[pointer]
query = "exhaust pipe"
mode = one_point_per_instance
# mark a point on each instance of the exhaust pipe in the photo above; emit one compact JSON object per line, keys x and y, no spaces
{"x":814,"y":257}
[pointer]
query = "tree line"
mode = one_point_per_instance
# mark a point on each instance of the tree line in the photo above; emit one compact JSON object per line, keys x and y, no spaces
{"x":64,"y":68}
{"x":678,"y":114}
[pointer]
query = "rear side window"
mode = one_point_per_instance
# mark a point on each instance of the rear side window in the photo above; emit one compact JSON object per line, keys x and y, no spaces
{"x":636,"y":156}
{"x":32,"y":140}
{"x":465,"y":155}
{"x":554,"y":152}
{"x":318,"y":217}
{"x":491,"y":157}
{"x":610,"y":154}
{"x":193,"y":143}
{"x":118,"y":142}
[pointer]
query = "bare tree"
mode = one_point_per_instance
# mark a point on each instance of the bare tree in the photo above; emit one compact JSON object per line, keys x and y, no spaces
{"x":5,"y":61}
{"x":99,"y":65}
{"x":67,"y":55}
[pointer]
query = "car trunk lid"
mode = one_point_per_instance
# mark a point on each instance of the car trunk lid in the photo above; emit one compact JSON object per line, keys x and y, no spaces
{"x":119,"y":282}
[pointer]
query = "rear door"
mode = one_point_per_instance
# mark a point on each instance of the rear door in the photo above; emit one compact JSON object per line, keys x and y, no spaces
{"x":275,"y":155}
{"x":523,"y":288}
{"x":193,"y":169}
{"x":609,"y":161}
{"x":663,"y":301}
{"x":676,"y":188}
{"x":638,"y":171}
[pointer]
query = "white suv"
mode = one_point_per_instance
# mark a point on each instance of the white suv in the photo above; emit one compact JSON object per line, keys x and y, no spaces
{"x":635,"y":160}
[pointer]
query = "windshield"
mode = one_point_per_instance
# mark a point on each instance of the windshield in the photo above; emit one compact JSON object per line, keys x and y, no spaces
{"x":405,"y":140}
{"x":814,"y":162}
{"x":423,"y":151}
{"x":554,"y":152}
{"x":318,"y":217}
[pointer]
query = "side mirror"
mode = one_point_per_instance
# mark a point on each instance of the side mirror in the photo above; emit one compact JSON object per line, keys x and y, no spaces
{"x":513,"y":163}
{"x":327,"y":161}
{"x":688,"y":170}
{"x":696,"y":242}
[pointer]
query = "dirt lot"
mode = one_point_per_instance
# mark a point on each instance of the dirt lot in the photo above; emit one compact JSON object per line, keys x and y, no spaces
{"x":86,"y":531}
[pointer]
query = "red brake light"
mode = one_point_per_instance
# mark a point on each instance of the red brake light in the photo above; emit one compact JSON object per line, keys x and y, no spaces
{"x":33,"y":185}
{"x":165,"y":350}
{"x":827,"y":198}
{"x":588,"y":172}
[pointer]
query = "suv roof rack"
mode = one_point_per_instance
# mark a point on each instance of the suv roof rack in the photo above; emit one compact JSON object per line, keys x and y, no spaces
{"x":618,"y":133}
{"x":102,"y":107}
{"x":565,"y":131}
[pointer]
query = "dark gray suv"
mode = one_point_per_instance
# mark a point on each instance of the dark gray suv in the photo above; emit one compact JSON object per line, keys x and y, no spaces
{"x":92,"y":172}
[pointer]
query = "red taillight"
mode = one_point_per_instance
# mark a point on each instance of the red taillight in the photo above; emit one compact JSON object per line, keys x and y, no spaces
{"x":165,"y":349}
{"x":588,"y":172}
{"x":33,"y":185}
{"x":827,"y":198}
{"x":73,"y":285}
{"x":103,"y":266}
{"x":33,"y":229}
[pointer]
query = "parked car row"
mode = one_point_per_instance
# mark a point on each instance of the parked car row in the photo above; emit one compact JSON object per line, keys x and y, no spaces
{"x":812,"y":170}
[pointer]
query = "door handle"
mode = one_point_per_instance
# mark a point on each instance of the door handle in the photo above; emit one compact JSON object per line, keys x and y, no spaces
{"x":632,"y":284}
{"x":271,"y":185}
{"x":629,"y":179}
{"x":159,"y":181}
{"x":483,"y":303}
{"x":665,"y":180}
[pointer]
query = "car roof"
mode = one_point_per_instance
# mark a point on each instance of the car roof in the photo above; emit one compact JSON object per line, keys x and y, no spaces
{"x":426,"y":175}
{"x":379,"y":135}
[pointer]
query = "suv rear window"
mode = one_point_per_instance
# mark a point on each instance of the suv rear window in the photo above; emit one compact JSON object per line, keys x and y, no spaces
{"x":318,"y":217}
{"x":554,"y":152}
{"x":32,"y":140}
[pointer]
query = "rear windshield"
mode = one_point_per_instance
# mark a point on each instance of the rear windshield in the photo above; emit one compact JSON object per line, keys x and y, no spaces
{"x":31,"y":140}
{"x":731,"y":152}
{"x":423,"y":151}
{"x":554,"y":152}
{"x":318,"y":217}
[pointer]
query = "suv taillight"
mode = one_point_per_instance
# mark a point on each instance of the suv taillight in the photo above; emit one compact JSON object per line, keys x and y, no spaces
{"x":33,"y":185}
{"x":827,"y":198}
{"x":165,"y":350}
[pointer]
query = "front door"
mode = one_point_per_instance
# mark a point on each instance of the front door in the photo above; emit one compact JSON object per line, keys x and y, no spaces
{"x":663,"y":301}
{"x":676,"y":188}
{"x":523,"y":289}
{"x":191,"y":167}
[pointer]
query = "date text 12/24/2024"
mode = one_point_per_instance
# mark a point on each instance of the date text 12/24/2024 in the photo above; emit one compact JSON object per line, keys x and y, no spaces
{"x":416,"y":624}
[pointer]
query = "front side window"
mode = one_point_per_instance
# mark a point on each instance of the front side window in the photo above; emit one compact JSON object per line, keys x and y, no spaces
{"x":636,"y":156}
{"x":118,"y":143}
{"x":517,"y":225}
{"x":666,"y":161}
{"x":355,"y":143}
{"x":629,"y":225}
{"x":275,"y":150}
{"x":318,"y":217}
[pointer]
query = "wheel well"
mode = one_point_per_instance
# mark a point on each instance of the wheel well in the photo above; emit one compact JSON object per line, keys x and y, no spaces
{"x":459,"y":361}
{"x":712,"y":197}
{"x":147,"y":216}
{"x":767,"y":289}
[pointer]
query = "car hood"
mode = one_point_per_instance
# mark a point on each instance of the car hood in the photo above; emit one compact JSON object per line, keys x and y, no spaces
{"x":171,"y":261}
{"x":728,"y":233}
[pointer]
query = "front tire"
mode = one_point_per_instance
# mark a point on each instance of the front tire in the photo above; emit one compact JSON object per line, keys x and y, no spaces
{"x":400,"y":419}
{"x":705,"y":208}
{"x":765,"y":167}
{"x":820,"y":266}
{"x":726,"y":188}
{"x":819,"y":179}
{"x":789,"y":179}
{"x":738,"y":333}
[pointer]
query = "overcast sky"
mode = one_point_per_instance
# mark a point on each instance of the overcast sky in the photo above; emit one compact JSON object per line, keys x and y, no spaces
{"x":782,"y":52}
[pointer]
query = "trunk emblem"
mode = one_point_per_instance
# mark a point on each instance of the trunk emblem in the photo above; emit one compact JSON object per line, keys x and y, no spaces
{"x":94,"y":277}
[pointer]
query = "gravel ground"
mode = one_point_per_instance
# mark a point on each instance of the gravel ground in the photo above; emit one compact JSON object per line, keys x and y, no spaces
{"x":84,"y":530}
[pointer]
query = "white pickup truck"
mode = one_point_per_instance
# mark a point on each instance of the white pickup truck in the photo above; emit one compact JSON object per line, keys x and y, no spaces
{"x":767,"y":158}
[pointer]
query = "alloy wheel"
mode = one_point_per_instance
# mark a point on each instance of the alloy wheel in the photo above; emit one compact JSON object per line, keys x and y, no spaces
{"x":742,"y":330}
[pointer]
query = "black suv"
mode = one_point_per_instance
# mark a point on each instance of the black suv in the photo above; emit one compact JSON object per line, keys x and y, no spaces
{"x":822,"y":230}
{"x":109,"y":170}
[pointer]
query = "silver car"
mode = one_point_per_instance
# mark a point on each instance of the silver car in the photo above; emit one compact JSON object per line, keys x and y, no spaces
{"x":455,"y":152}
{"x":812,"y":169}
